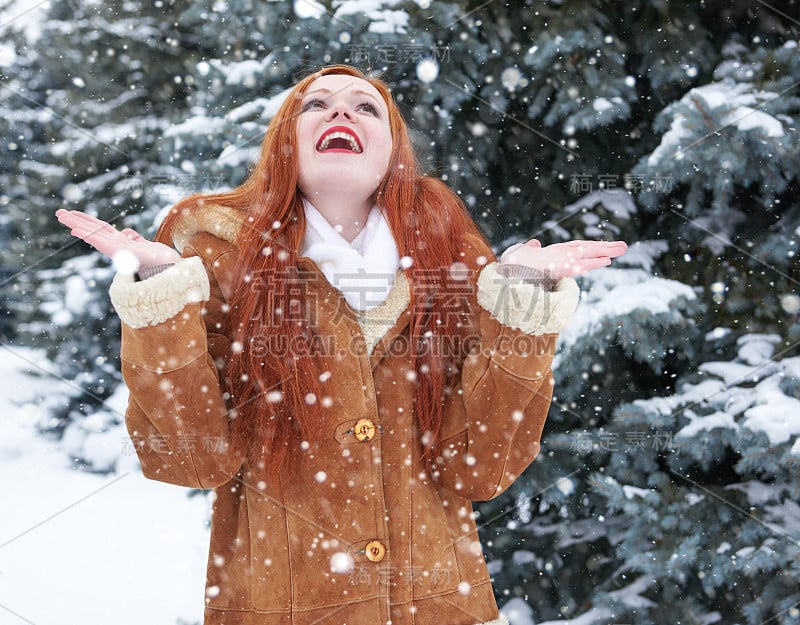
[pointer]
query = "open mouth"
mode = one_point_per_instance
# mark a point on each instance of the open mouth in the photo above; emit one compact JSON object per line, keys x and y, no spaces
{"x":339,"y":139}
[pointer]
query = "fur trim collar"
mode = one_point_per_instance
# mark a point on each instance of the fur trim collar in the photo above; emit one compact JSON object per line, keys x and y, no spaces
{"x":377,"y":321}
{"x":223,"y":222}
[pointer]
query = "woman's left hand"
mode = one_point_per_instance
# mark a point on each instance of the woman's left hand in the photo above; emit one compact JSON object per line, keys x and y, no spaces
{"x":564,"y":260}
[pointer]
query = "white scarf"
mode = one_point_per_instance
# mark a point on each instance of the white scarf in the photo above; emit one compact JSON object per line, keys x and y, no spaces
{"x":363,"y":270}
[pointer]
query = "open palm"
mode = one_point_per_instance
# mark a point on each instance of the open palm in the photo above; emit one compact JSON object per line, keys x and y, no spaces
{"x":107,"y":239}
{"x":564,"y":260}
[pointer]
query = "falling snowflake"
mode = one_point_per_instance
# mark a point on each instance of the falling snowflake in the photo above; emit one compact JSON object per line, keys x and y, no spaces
{"x":125,"y":262}
{"x":427,"y":70}
{"x":341,"y":562}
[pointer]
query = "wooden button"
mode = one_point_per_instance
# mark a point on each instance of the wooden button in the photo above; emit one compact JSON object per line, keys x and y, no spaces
{"x":365,"y":429}
{"x":375,"y":551}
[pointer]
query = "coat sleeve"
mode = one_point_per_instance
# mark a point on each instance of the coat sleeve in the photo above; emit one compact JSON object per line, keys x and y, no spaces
{"x":171,"y":331}
{"x":493,"y":419}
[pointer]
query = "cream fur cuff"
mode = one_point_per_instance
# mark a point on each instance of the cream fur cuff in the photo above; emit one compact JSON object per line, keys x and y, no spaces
{"x":527,"y":307}
{"x":153,"y":301}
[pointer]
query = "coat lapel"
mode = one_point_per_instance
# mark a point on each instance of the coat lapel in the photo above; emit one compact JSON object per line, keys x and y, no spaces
{"x":395,"y":313}
{"x":379,"y":326}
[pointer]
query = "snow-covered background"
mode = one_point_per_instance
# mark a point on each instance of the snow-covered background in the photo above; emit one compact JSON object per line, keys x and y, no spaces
{"x":77,"y":547}
{"x":668,"y":484}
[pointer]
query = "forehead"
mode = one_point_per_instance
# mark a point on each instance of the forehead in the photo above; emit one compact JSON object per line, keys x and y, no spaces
{"x":343,"y":84}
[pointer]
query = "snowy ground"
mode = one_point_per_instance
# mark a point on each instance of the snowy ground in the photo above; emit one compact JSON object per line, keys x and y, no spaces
{"x":77,"y":548}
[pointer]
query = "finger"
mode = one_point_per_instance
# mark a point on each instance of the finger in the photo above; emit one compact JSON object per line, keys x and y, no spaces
{"x":132,"y":234}
{"x":94,"y":227}
{"x":589,"y":264}
{"x":69,"y":218}
{"x":615,"y":252}
{"x":97,"y":233}
{"x":71,"y":215}
{"x":514,"y":247}
{"x":597,"y":249}
{"x":608,"y":244}
{"x":533,"y":243}
{"x":101,"y":241}
{"x":77,"y":219}
{"x":101,"y":244}
{"x":580,"y":242}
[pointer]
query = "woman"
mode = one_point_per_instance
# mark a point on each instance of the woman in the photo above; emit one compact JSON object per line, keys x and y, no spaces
{"x":336,"y":355}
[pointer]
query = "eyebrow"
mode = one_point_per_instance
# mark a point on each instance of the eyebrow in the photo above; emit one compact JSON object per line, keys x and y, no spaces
{"x":356,"y":92}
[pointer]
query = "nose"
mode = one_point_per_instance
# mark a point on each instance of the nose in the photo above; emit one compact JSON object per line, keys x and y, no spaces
{"x":340,"y":109}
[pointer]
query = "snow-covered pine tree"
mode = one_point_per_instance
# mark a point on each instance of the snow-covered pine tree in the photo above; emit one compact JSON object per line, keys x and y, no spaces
{"x":710,"y":522}
{"x":731,"y":151}
{"x":16,"y":133}
{"x":88,"y":107}
{"x":729,"y":262}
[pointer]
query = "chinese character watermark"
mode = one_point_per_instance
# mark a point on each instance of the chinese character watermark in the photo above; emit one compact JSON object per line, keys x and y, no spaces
{"x":581,"y":184}
{"x":397,"y":53}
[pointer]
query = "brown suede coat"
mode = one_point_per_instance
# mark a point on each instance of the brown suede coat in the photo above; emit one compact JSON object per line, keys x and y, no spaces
{"x":357,"y":533}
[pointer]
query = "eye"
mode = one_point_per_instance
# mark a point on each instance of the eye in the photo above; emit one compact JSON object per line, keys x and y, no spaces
{"x":314,"y":103}
{"x":369,"y":108}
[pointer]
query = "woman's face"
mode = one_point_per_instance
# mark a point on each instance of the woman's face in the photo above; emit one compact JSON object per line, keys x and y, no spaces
{"x":344,"y":138}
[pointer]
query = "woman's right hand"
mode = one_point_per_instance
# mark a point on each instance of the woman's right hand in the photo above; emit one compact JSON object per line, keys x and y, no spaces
{"x":107,"y":239}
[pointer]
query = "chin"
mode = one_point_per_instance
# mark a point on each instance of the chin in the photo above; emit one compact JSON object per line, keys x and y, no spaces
{"x":348,"y":181}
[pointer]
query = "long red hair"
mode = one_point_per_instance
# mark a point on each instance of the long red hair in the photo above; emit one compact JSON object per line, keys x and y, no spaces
{"x":272,"y":395}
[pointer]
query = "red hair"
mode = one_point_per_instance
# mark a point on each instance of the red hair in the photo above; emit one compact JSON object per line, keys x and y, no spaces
{"x":269,"y":392}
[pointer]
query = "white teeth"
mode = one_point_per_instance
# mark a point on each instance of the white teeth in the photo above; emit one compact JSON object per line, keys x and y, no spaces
{"x":339,"y":135}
